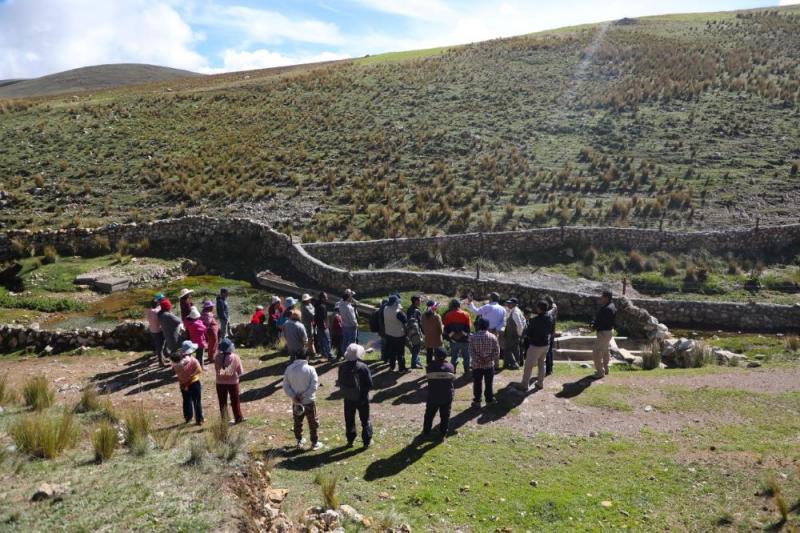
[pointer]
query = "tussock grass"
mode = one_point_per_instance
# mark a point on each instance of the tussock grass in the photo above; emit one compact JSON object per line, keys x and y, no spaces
{"x":792,"y":343}
{"x":327,"y":486}
{"x":89,"y":401}
{"x":651,"y":357}
{"x":37,"y":393}
{"x":198,"y":452}
{"x":7,"y":394}
{"x":138,"y":425}
{"x":43,"y":435}
{"x":104,"y":441}
{"x":226,"y":442}
{"x":168,"y":439}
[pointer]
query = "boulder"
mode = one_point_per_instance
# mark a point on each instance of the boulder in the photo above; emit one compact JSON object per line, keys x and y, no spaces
{"x":725,"y":357}
{"x":47,"y":491}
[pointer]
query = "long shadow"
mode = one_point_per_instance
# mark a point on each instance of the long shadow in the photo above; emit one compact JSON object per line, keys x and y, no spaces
{"x":507,"y":399}
{"x":398,"y":391}
{"x":142,"y":374}
{"x":300,"y":460}
{"x":258,"y":393}
{"x":276,"y":369}
{"x":570,"y":390}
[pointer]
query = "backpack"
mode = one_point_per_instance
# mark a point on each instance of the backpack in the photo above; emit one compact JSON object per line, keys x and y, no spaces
{"x":413,"y":331}
{"x":350,"y":384}
{"x":375,"y":321}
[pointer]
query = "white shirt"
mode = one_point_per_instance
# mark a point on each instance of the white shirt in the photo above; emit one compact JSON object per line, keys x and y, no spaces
{"x":348,"y":312}
{"x":493,"y":312}
{"x":301,"y":378}
{"x":519,"y":319}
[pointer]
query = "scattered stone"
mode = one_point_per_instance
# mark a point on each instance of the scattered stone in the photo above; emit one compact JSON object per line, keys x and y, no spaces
{"x":607,"y":504}
{"x":593,"y":434}
{"x":648,"y":408}
{"x":754,"y":364}
{"x":350,"y":513}
{"x":47,"y":491}
{"x":534,"y":483}
{"x":277,"y":495}
{"x":383,"y":495}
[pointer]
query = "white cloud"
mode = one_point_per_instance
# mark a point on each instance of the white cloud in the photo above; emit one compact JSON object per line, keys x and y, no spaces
{"x":40,"y":37}
{"x":235,"y":60}
{"x":423,"y":9}
{"x":788,"y":2}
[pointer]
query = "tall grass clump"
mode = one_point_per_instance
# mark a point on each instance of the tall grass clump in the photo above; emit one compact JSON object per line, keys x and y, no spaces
{"x":327,"y":486}
{"x":7,"y":394}
{"x":792,"y":343}
{"x":651,"y":357}
{"x":700,"y":355}
{"x":137,"y":430}
{"x":104,"y":441}
{"x":226,"y":442}
{"x":44,"y":436}
{"x":89,"y":401}
{"x":37,"y":394}
{"x":49,"y":255}
{"x":198,"y":452}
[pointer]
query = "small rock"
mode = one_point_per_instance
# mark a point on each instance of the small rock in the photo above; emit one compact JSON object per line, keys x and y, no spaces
{"x":534,"y":483}
{"x":383,"y":495}
{"x":607,"y":504}
{"x":277,"y":495}
{"x":584,"y":365}
{"x":754,"y":364}
{"x":47,"y":491}
{"x":592,"y":433}
{"x":350,"y":513}
{"x":465,"y":488}
{"x":648,"y":408}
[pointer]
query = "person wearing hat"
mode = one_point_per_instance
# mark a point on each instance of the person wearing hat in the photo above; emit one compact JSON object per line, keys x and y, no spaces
{"x":414,"y":330}
{"x":170,"y":328}
{"x":307,"y":317}
{"x":300,"y":383}
{"x":274,"y":314}
{"x":212,"y":329}
{"x":224,"y":314}
{"x":295,"y":336}
{"x":185,"y":300}
{"x":355,"y":382}
{"x":432,"y":330}
{"x":228,"y":369}
{"x":154,"y":327}
{"x":440,"y":375}
{"x":321,"y":330}
{"x":457,"y":325}
{"x":515,"y":327}
{"x":539,"y":331}
{"x":287,"y":311}
{"x":347,"y":308}
{"x":188,"y":371}
{"x":197,"y":333}
{"x":257,"y":329}
{"x":394,"y":321}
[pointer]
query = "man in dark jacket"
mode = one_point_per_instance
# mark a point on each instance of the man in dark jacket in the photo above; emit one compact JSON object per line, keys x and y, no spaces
{"x":603,"y":324}
{"x":552,"y":310}
{"x":321,"y":330}
{"x":440,"y":376}
{"x":539,"y":330}
{"x":224,"y":315}
{"x":355,"y":382}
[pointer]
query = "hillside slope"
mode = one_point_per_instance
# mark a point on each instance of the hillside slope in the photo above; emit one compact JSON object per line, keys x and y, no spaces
{"x":91,"y":79}
{"x":673,"y":121}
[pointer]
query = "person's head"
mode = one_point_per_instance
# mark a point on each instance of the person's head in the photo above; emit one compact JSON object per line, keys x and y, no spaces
{"x":482,"y":324}
{"x":549,"y":300}
{"x":194,"y":314}
{"x":306,"y":298}
{"x":301,"y":355}
{"x":159,"y":296}
{"x":455,"y":303}
{"x":185,"y":294}
{"x":226,"y":346}
{"x":349,"y":294}
{"x":259,"y":308}
{"x":511,"y":303}
{"x":541,"y":307}
{"x":393,"y":300}
{"x":290,"y":302}
{"x":208,"y":306}
{"x":295,"y":314}
{"x":354,"y":352}
{"x":606,"y":296}
{"x":154,"y":304}
{"x":165,"y":304}
{"x":176,"y":356}
{"x":275,"y":300}
{"x":223,"y":293}
{"x":186,"y":348}
{"x":416,"y":299}
{"x":494,"y":297}
{"x":440,"y":354}
{"x":431,"y":306}
{"x":322,"y":297}
{"x":527,"y":312}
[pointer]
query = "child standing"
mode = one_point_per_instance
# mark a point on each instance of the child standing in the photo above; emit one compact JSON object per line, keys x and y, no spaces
{"x":188,"y":371}
{"x":228,"y":368}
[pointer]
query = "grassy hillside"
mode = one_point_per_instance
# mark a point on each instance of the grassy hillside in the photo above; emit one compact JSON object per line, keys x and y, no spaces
{"x":684,"y":121}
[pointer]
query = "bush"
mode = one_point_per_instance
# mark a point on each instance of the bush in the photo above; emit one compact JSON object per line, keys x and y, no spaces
{"x":49,"y":255}
{"x":654,"y":283}
{"x":635,"y":261}
{"x":36,"y":303}
{"x":590,"y":256}
{"x":37,"y":394}
{"x":700,"y":355}
{"x":89,"y":400}
{"x":102,"y":245}
{"x":105,"y":441}
{"x":137,"y":430}
{"x":198,"y":452}
{"x":327,"y":485}
{"x":651,"y":357}
{"x":7,"y":395}
{"x":44,"y":436}
{"x":670,"y":269}
{"x":226,"y":442}
{"x":792,"y":343}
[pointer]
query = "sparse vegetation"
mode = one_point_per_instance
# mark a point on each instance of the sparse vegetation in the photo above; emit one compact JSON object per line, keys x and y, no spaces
{"x":138,"y":424}
{"x":327,"y":486}
{"x":44,"y":435}
{"x":89,"y":401}
{"x":104,"y":441}
{"x":37,"y":394}
{"x":651,"y":357}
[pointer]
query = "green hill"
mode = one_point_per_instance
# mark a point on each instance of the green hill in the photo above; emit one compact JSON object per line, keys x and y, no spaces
{"x":683,"y":120}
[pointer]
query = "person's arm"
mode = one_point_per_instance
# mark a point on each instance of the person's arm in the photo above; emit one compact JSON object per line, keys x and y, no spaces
{"x":439,"y":325}
{"x":367,"y":381}
{"x":239,"y":367}
{"x":401,"y":316}
{"x":495,"y":350}
{"x":473,"y":308}
{"x":304,"y":333}
{"x":312,"y":386}
{"x":473,"y":355}
{"x":287,"y":388}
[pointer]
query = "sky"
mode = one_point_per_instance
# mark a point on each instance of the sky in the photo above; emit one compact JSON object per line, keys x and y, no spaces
{"x":39,"y":37}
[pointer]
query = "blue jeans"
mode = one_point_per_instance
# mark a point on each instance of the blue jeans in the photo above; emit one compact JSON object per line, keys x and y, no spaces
{"x":192,"y":404}
{"x":349,"y":336}
{"x":415,"y":349}
{"x":324,"y":342}
{"x":462,"y":349}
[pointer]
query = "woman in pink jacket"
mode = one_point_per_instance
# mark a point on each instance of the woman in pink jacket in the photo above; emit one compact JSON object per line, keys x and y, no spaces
{"x":212,"y":329}
{"x":228,"y":368}
{"x":197,"y":333}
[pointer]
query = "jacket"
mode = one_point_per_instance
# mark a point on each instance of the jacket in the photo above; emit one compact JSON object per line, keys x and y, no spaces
{"x":222,"y":308}
{"x":258,"y":317}
{"x":413,"y":326}
{"x":212,"y":331}
{"x":300,"y":378}
{"x":440,"y":375}
{"x":515,"y":325}
{"x":171,"y":326}
{"x":295,"y":335}
{"x":274,"y":312}
{"x":432,"y":329}
{"x":152,"y":320}
{"x":336,"y":325}
{"x":229,"y":375}
{"x":604,"y":319}
{"x":394,"y":321}
{"x":321,"y":316}
{"x":457,"y":325}
{"x":484,"y":350}
{"x":307,"y":316}
{"x":349,"y":316}
{"x":187,"y":371}
{"x":540,"y":329}
{"x":197,"y":332}
{"x":355,"y":381}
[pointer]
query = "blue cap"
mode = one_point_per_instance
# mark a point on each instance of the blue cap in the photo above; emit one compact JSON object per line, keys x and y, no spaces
{"x":226,"y":345}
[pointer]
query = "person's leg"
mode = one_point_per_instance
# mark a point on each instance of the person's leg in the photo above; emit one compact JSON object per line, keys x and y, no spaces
{"x":597,"y":355}
{"x":515,"y":355}
{"x":384,"y":350}
{"x":350,"y":421}
{"x":198,"y":354}
{"x":428,"y":357}
{"x":463,"y":347}
{"x":197,"y":401}
{"x":508,"y":354}
{"x":325,"y":343}
{"x":236,"y":404}
{"x":313,"y":422}
{"x":222,"y":398}
{"x":401,"y":353}
{"x":298,"y":424}
{"x":549,"y":358}
{"x":453,"y":355}
{"x":541,"y":357}
{"x":477,"y":384}
{"x":366,"y":424}
{"x":444,"y":418}
{"x":527,"y":369}
{"x":187,"y":405}
{"x":427,"y":421}
{"x":489,"y":383}
{"x":415,"y":349}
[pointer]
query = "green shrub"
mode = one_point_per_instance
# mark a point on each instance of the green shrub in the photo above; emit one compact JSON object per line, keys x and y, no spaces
{"x":670,"y":269}
{"x":651,"y":357}
{"x":654,"y":283}
{"x":700,"y":355}
{"x":44,"y":435}
{"x":327,"y":485}
{"x":49,"y":255}
{"x":37,"y":303}
{"x":635,"y":261}
{"x":101,"y":245}
{"x":37,"y":394}
{"x":105,"y":441}
{"x":590,"y":256}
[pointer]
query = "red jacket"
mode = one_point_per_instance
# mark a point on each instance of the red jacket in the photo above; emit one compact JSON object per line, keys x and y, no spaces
{"x":258,"y":317}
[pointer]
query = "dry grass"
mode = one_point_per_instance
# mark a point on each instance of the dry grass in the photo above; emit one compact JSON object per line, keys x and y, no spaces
{"x":37,"y":394}
{"x":226,"y":442}
{"x":104,"y":441}
{"x":327,"y":486}
{"x":44,"y":435}
{"x":138,"y":424}
{"x":89,"y":401}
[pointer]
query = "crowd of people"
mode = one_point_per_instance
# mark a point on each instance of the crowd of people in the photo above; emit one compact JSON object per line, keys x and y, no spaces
{"x":501,"y":330}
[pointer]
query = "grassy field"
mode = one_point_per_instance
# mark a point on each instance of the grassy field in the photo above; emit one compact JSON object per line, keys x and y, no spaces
{"x":663,"y":120}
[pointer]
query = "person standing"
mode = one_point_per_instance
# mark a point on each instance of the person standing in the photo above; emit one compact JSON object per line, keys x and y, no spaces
{"x":154,"y":327}
{"x":337,"y":331}
{"x":224,"y":314}
{"x":295,"y":336}
{"x":170,"y":327}
{"x":300,"y":383}
{"x":321,"y":329}
{"x":484,"y":353}
{"x":457,"y":325}
{"x":414,"y":330}
{"x":440,"y":376}
{"x":376,"y":325}
{"x":188,"y":371}
{"x":395,"y":323}
{"x":307,"y":318}
{"x":228,"y":369}
{"x":552,"y":310}
{"x":347,"y":309}
{"x":355,"y":382}
{"x":539,"y":331}
{"x":495,"y":314}
{"x":432,"y":330}
{"x":603,"y":324}
{"x":185,"y":300}
{"x":212,"y":329}
{"x":274,"y":314}
{"x":257,"y":333}
{"x":197,"y":334}
{"x":515,"y":327}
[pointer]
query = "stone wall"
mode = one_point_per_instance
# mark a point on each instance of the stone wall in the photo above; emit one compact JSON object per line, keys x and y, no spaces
{"x":529,"y":243}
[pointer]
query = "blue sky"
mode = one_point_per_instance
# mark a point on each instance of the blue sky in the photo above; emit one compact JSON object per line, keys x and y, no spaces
{"x":38,"y":37}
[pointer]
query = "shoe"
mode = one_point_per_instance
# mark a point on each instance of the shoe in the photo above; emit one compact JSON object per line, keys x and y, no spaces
{"x":549,"y":372}
{"x":199,"y":422}
{"x":367,"y":443}
{"x":317,"y":446}
{"x":476,"y":403}
{"x":599,"y":375}
{"x":187,"y":420}
{"x":416,"y":367}
{"x":538,"y":385}
{"x":606,"y":371}
{"x":301,"y":443}
{"x":349,"y":444}
{"x":491,"y":402}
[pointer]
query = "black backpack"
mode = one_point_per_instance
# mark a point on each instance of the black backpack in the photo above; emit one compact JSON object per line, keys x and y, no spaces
{"x":350,"y":384}
{"x":375,"y":321}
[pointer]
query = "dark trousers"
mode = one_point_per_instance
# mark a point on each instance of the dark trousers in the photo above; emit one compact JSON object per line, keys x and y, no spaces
{"x":350,"y":409}
{"x":444,"y":417}
{"x":396,"y":352}
{"x":158,"y":345}
{"x":482,"y":377}
{"x":428,"y":356}
{"x":548,"y":362}
{"x":198,"y":354}
{"x":223,"y":391}
{"x":192,"y":403}
{"x":309,"y":413}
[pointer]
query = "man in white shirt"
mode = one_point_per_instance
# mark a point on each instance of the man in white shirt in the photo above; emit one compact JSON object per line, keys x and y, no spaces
{"x":300,"y":383}
{"x":493,"y":312}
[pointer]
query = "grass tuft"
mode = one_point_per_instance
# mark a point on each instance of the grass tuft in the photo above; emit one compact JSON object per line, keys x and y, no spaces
{"x":651,"y":357}
{"x":89,"y":401}
{"x":7,"y":394}
{"x":37,"y":393}
{"x":226,"y":442}
{"x":44,"y":436}
{"x":327,"y":485}
{"x":104,"y":441}
{"x":138,"y":425}
{"x":198,"y":452}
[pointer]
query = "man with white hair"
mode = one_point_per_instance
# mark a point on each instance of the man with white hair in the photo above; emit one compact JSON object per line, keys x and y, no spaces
{"x":355,"y":382}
